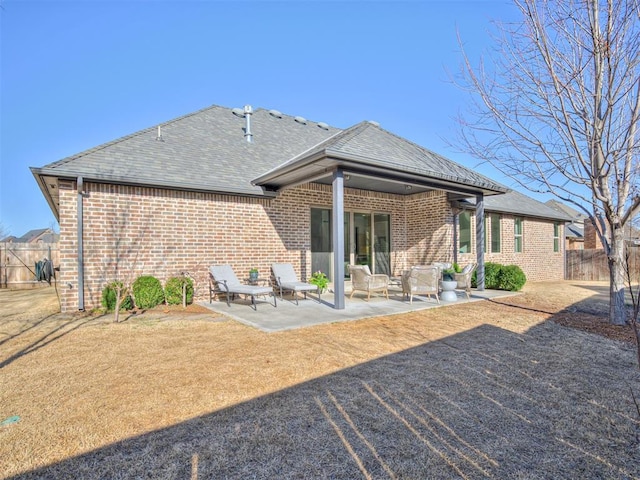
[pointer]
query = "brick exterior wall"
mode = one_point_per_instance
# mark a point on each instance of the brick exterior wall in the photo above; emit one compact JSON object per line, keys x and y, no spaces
{"x":537,"y":259}
{"x":131,"y":231}
{"x":591,"y":238}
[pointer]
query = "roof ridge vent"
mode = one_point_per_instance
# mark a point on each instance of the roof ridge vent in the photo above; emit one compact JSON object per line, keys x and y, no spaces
{"x":323,"y":125}
{"x":374,"y":123}
{"x":275,"y":113}
{"x":300,"y":120}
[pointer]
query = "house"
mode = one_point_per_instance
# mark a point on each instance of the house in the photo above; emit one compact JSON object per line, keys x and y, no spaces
{"x":250,"y":187}
{"x":575,"y":230}
{"x":40,"y":235}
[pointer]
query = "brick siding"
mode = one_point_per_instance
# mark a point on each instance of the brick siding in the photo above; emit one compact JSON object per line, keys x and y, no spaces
{"x":130,"y":231}
{"x":537,"y":259}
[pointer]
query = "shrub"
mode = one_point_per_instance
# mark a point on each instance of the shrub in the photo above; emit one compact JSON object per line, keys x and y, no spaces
{"x":501,"y":277}
{"x":147,"y":292}
{"x":492,"y":275}
{"x":173,"y":290}
{"x":512,"y":278}
{"x":109,"y":298}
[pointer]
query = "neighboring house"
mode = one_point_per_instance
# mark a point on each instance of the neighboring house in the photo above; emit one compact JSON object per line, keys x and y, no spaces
{"x":575,"y":230}
{"x":21,"y":258}
{"x":40,"y":235}
{"x":249,"y":188}
{"x":581,"y":234}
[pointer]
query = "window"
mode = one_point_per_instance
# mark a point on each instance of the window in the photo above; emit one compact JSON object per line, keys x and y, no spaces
{"x":464,"y":220}
{"x":556,"y":237}
{"x":492,"y":222}
{"x":517,"y":234}
{"x":495,"y":232}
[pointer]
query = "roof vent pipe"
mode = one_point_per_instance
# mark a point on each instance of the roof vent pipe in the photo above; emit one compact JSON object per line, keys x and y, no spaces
{"x":247,"y":117}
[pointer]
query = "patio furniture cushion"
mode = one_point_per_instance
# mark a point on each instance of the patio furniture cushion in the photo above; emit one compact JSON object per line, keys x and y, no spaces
{"x":463,"y":279}
{"x":422,"y":280}
{"x":286,"y":279}
{"x":362,"y":279}
{"x":227,"y":282}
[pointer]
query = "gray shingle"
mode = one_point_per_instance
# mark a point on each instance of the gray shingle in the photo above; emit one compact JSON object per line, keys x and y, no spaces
{"x":205,"y":150}
{"x":516,"y":203}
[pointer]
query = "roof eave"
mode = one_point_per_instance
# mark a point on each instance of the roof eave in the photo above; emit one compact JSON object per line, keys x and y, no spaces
{"x":357,"y":163}
{"x":38,"y":174}
{"x":116,"y":180}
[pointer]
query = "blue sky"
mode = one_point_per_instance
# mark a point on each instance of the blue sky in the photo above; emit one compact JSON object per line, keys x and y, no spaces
{"x":77,"y":74}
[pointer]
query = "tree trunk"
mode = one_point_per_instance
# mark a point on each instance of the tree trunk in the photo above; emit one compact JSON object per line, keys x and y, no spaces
{"x":617,"y":308}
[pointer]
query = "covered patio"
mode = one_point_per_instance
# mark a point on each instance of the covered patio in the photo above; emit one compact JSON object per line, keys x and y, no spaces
{"x":309,"y":312}
{"x":380,"y":162}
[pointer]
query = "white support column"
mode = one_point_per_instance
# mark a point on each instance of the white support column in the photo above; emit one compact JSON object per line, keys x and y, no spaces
{"x":337,"y":227}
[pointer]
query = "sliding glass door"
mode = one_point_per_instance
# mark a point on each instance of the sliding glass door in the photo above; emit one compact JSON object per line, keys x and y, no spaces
{"x":366,"y":241}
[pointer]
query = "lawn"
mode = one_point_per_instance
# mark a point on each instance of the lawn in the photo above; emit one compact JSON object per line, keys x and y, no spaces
{"x":489,"y":389}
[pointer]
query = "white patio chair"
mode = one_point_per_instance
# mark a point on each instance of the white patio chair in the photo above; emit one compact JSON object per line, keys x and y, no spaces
{"x":464,"y":279}
{"x":287,"y":280}
{"x":362,"y":279}
{"x":422,"y":280}
{"x":225,"y":281}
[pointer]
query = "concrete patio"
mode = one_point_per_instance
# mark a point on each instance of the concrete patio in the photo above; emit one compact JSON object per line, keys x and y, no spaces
{"x":288,"y":316}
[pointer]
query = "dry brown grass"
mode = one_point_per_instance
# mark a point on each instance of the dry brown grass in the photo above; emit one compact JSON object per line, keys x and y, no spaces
{"x":468,"y":391}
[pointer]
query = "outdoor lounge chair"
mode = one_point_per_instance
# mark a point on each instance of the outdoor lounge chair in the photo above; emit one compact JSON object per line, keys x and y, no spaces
{"x":422,"y":280}
{"x":226,"y":282}
{"x":464,"y":279}
{"x":286,"y":279}
{"x":362,"y":279}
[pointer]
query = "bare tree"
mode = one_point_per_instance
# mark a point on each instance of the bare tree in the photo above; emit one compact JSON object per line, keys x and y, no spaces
{"x":555,"y":106}
{"x":121,"y":266}
{"x":4,"y":232}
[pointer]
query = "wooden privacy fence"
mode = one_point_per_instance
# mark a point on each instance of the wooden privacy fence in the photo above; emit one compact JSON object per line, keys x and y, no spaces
{"x":593,"y":265}
{"x":18,"y":263}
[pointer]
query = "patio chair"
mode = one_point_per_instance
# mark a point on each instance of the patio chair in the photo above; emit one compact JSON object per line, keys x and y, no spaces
{"x":362,"y":279}
{"x":423,"y":280}
{"x":225,"y":281}
{"x":464,"y":279}
{"x":287,"y":280}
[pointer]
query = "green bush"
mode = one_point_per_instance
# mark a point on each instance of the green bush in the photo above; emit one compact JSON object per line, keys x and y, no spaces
{"x":173,"y":290}
{"x":109,"y":298}
{"x":512,"y":278}
{"x":147,"y":292}
{"x":501,"y":277}
{"x":492,"y":275}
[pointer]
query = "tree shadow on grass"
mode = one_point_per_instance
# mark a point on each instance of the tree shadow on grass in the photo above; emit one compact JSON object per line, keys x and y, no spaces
{"x":486,"y":402}
{"x":56,"y":332}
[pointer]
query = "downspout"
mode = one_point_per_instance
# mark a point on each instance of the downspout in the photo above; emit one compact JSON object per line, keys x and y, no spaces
{"x":80,"y":187}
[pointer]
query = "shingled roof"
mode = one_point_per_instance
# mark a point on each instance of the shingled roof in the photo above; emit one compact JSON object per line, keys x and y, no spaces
{"x":367,"y":146}
{"x":516,"y":203}
{"x":207,"y":151}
